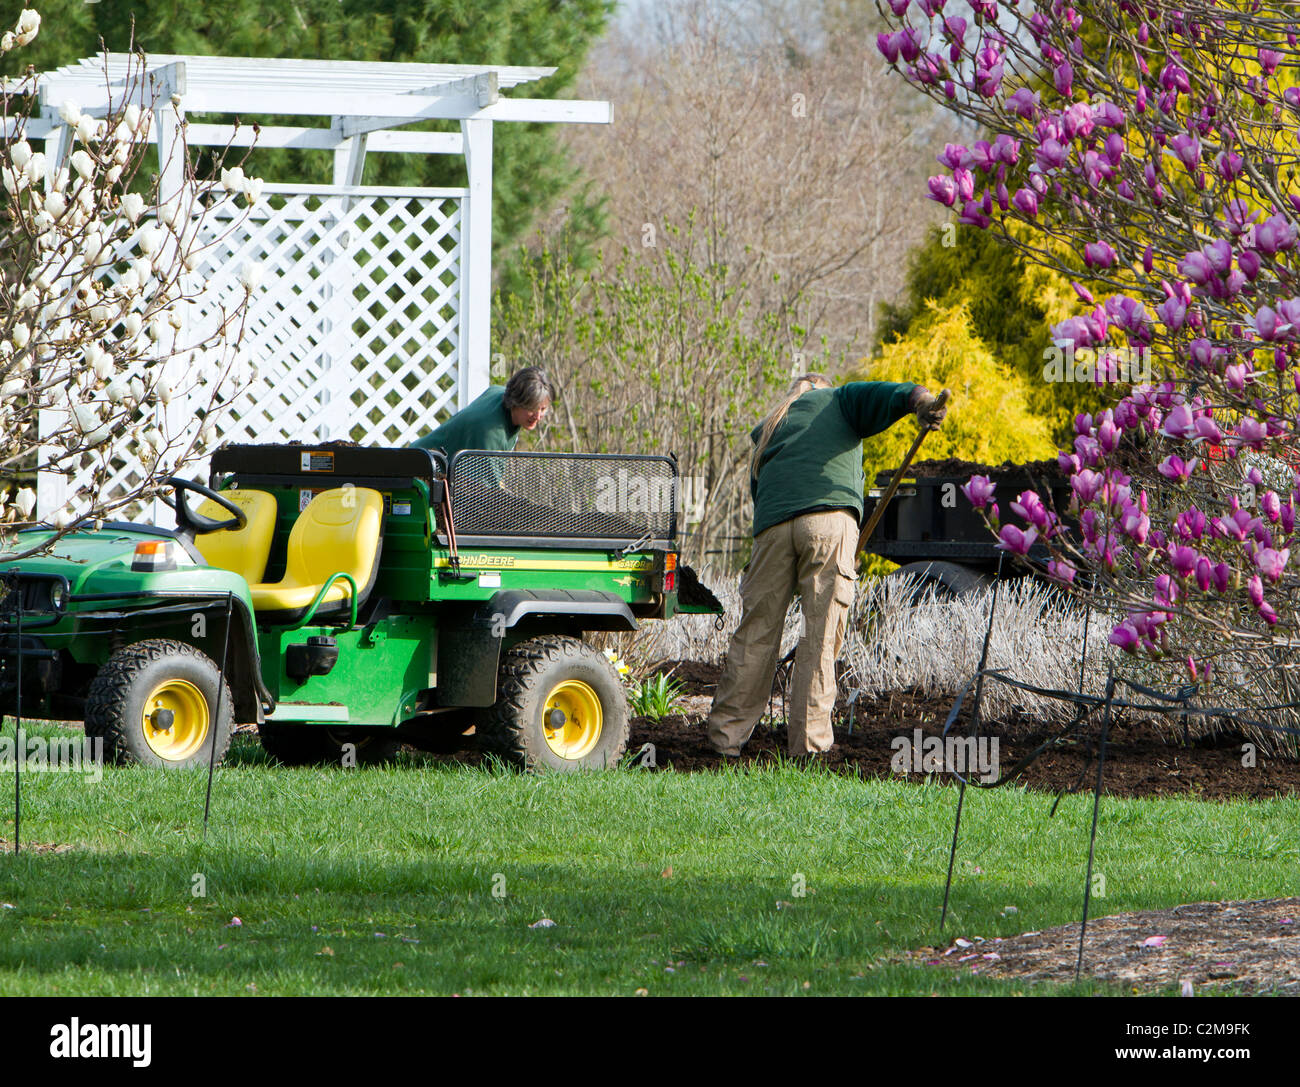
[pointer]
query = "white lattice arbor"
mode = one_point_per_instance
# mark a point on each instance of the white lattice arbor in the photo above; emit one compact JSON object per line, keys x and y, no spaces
{"x":372,"y":320}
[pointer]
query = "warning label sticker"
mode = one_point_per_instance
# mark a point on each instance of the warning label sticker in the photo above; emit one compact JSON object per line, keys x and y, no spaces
{"x":317,"y":462}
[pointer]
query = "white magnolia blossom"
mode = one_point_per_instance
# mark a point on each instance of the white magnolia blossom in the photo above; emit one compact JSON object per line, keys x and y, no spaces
{"x":12,"y":387}
{"x":87,"y":128}
{"x":232,"y":180}
{"x":25,"y":500}
{"x":92,"y":245}
{"x":61,"y":519}
{"x":29,"y":22}
{"x":85,"y":416}
{"x":21,"y":335}
{"x":35,"y":168}
{"x":19,"y":153}
{"x":148,"y":240}
{"x":250,"y":275}
{"x":14,"y":182}
{"x":56,"y":204}
{"x":83,"y":164}
{"x":70,"y":113}
{"x":133,"y":206}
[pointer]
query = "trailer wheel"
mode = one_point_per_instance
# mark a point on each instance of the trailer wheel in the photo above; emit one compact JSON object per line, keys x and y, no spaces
{"x":315,"y":745}
{"x":560,"y":706}
{"x":945,"y":580}
{"x":155,"y":703}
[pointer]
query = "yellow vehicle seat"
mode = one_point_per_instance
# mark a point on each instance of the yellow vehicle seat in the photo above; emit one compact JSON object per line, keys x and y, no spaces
{"x":338,"y":533}
{"x":242,"y":550}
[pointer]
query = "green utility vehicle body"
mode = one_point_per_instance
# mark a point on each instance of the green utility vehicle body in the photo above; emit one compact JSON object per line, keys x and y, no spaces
{"x":466,"y":609}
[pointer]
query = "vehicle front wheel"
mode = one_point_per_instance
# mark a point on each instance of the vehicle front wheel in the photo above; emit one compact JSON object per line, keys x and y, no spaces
{"x":155,"y":703}
{"x":560,"y":706}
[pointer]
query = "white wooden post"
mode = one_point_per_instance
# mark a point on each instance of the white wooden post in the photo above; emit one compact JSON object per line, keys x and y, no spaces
{"x":51,"y":487}
{"x":171,"y":160}
{"x":476,"y":264}
{"x":168,"y":118}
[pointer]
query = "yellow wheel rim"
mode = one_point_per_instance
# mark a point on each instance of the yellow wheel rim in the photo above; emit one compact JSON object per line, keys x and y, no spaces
{"x":189,"y":720}
{"x":577,"y":732}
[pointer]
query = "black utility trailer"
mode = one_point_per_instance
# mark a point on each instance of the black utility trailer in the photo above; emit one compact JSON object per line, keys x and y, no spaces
{"x":936,"y":536}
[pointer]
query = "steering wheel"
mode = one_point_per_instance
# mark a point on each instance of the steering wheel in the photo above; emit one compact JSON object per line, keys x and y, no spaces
{"x":195,"y":524}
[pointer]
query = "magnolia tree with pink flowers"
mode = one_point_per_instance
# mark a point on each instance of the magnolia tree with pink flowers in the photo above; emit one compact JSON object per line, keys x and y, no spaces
{"x":1149,"y":152}
{"x":96,"y":351}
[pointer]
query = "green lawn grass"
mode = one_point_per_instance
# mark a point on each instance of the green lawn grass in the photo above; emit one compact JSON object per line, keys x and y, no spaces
{"x":373,"y":881}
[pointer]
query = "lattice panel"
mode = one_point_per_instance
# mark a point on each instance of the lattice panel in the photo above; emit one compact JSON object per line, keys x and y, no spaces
{"x":353,"y":333}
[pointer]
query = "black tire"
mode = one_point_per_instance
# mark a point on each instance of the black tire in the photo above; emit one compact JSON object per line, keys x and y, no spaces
{"x":314,"y":745}
{"x":945,"y":580}
{"x":564,"y":672}
{"x":168,"y":676}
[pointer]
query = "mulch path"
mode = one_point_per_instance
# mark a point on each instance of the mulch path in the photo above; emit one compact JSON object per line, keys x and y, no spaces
{"x":1235,"y":947}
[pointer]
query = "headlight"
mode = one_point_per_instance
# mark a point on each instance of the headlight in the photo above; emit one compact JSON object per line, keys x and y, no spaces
{"x":58,"y":595}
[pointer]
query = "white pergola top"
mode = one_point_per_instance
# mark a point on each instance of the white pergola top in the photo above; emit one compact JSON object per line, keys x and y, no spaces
{"x":329,"y":83}
{"x":358,"y":96}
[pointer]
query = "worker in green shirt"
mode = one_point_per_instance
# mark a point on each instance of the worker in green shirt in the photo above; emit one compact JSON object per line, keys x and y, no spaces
{"x":806,"y":480}
{"x":493,"y":420}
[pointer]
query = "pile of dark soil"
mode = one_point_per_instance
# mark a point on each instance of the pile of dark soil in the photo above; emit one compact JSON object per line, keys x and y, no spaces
{"x":952,"y":466}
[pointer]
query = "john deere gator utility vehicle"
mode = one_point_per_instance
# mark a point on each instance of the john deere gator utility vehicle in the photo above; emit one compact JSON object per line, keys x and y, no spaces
{"x":349,"y":599}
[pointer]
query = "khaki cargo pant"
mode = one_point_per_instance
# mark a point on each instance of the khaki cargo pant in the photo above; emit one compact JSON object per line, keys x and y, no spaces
{"x":813,"y":555}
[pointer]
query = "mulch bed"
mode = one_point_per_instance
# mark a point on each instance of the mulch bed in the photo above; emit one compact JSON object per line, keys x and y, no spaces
{"x":1237,"y":947}
{"x":1140,"y":760}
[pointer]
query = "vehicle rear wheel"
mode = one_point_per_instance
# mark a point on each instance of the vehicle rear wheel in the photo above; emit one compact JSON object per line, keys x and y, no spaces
{"x":309,"y":745}
{"x":155,"y":703}
{"x":560,"y":706}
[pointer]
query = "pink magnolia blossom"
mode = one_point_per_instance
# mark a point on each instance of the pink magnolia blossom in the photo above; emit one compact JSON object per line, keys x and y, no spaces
{"x":1175,"y":469}
{"x":979,"y":490}
{"x":1016,"y":541}
{"x":1271,"y":562}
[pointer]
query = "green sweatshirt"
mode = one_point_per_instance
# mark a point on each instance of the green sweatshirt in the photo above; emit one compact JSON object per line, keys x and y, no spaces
{"x":483,"y":424}
{"x":814,"y":460}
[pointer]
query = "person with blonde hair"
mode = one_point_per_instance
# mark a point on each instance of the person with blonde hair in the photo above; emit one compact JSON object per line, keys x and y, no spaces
{"x":806,"y":480}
